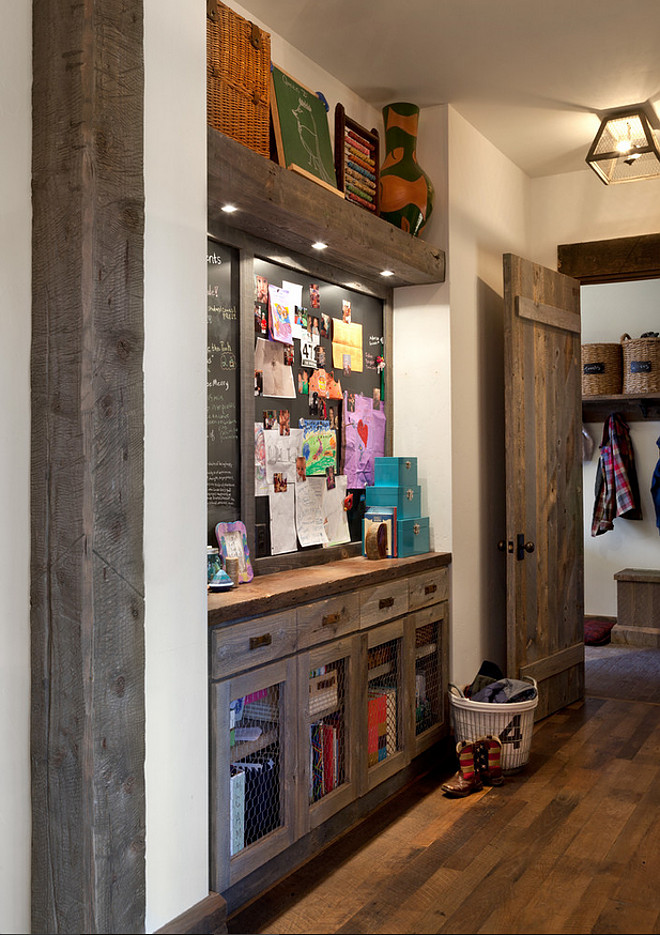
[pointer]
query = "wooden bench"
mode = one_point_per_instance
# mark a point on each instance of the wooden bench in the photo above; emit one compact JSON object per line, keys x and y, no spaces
{"x":638,"y":607}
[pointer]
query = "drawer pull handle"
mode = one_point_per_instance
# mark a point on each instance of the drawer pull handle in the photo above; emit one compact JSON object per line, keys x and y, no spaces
{"x":430,"y":589}
{"x":331,"y":619}
{"x":386,"y":602}
{"x":256,"y":641}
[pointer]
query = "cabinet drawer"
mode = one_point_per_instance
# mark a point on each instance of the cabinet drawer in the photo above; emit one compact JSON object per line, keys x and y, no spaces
{"x":252,"y":643}
{"x":383,"y":602}
{"x":429,"y":588}
{"x":324,"y":620}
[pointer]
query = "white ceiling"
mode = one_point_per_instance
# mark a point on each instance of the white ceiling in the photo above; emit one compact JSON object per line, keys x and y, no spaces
{"x":532,"y":76}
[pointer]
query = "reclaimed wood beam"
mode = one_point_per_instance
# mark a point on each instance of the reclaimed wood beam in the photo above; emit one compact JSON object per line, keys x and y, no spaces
{"x":615,"y":260}
{"x":87,"y":575}
{"x":278,"y":205}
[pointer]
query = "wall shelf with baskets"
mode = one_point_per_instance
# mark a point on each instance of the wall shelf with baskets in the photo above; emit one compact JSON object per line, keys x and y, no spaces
{"x":633,"y":407}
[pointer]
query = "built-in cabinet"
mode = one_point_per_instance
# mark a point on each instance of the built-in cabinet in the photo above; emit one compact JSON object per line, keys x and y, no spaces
{"x":327,"y":682}
{"x":331,"y":693}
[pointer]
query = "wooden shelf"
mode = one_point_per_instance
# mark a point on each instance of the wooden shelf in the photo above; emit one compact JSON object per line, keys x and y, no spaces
{"x":426,"y":649}
{"x":633,"y":407}
{"x":283,"y":208}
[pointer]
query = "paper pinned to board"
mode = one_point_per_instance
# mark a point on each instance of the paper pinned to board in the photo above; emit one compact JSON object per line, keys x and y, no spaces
{"x":319,"y":446}
{"x":335,"y":519}
{"x":277,"y":376}
{"x":364,"y":440}
{"x":347,"y":342}
{"x":260,"y":473}
{"x":280,"y":312}
{"x":282,"y":520}
{"x":310,"y":513}
{"x":281,"y":452}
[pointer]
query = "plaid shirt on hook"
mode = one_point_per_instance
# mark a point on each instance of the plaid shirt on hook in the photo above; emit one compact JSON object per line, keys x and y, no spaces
{"x":617,"y":489}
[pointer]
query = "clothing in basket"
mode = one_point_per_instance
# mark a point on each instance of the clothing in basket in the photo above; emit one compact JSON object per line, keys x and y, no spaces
{"x":506,"y":691}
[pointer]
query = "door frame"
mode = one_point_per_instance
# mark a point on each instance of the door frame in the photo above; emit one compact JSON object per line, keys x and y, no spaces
{"x":616,"y":260}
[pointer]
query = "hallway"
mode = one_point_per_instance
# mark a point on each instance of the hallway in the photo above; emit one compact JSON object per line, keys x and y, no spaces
{"x":569,"y":845}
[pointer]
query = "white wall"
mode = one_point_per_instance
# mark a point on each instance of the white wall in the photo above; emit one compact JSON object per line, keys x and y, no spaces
{"x":421,"y":357}
{"x":15,"y":327}
{"x":607,"y":312}
{"x":175,"y":458}
{"x":577,"y":207}
{"x":488,"y":216}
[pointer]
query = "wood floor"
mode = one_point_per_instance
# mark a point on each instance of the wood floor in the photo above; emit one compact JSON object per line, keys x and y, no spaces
{"x":570,"y":844}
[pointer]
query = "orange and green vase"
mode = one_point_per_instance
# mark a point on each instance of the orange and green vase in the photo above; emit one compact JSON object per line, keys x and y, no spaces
{"x":406,"y":191}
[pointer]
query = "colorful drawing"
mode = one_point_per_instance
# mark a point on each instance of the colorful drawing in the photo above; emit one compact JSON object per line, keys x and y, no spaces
{"x":280,"y":315}
{"x":364,"y":428}
{"x":319,"y":446}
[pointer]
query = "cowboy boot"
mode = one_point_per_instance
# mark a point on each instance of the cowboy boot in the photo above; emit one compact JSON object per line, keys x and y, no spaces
{"x":488,"y":760}
{"x":466,"y":780}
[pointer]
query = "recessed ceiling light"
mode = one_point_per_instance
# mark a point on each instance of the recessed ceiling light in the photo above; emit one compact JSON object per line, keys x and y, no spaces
{"x":387,"y":272}
{"x":229,"y":209}
{"x":319,"y":245}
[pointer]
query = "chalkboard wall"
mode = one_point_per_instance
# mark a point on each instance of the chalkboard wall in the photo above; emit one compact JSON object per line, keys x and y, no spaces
{"x":223,"y":398}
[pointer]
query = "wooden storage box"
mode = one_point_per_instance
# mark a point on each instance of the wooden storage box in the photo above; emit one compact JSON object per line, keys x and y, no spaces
{"x":637,"y":607}
{"x":395,"y":472}
{"x":237,"y":77}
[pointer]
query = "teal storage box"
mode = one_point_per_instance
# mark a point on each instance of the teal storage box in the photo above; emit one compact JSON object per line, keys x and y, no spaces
{"x":412,"y":536}
{"x":407,"y":500}
{"x":395,"y":472}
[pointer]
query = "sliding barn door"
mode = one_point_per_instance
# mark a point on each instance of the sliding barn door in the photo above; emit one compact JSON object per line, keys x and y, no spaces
{"x":544,"y":546}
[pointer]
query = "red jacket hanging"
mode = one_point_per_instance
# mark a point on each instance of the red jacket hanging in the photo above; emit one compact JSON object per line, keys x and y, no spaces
{"x":617,"y":488}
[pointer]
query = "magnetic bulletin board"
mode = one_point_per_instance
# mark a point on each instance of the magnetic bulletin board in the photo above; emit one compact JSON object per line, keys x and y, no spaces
{"x":262,"y":392}
{"x":325,"y":306}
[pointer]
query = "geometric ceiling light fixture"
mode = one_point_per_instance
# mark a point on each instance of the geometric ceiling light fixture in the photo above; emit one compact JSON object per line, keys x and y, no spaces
{"x":625,"y":148}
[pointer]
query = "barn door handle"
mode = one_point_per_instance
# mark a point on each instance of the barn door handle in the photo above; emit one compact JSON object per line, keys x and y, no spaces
{"x":504,"y":546}
{"x":523,"y":547}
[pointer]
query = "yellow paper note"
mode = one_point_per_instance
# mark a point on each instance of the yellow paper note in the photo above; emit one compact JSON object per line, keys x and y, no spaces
{"x":347,"y":342}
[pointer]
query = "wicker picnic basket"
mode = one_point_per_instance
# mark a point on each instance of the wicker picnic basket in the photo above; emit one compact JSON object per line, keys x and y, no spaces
{"x":641,"y":364}
{"x":601,"y":369}
{"x":513,"y":723}
{"x":237,"y":77}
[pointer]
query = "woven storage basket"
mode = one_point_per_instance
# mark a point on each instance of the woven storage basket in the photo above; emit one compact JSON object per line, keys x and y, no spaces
{"x":601,"y":369}
{"x":641,"y":364}
{"x":512,"y":723}
{"x":237,"y":77}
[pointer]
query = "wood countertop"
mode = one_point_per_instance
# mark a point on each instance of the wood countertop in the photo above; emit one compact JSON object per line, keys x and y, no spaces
{"x":269,"y":593}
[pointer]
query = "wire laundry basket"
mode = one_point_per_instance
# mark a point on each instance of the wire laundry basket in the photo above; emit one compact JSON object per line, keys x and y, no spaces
{"x":512,"y":722}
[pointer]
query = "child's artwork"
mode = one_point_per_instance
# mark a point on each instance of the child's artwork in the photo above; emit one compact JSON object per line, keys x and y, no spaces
{"x":364,"y":440}
{"x":260,"y":475}
{"x":232,"y":541}
{"x":280,"y":314}
{"x":319,"y":446}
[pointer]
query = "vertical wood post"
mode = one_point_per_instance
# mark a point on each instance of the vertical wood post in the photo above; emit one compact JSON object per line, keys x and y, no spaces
{"x":87,"y":569}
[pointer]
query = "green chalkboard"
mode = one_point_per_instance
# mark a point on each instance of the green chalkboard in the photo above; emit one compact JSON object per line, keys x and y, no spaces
{"x":300,"y":122}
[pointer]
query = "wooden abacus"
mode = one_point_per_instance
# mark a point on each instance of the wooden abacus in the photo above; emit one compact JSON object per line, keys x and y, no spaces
{"x":357,"y":161}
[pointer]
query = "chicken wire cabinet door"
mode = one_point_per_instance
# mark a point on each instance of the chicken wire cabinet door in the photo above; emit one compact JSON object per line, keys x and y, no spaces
{"x":327,"y":685}
{"x":386,"y":747}
{"x":427,"y":663}
{"x":253,"y":769}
